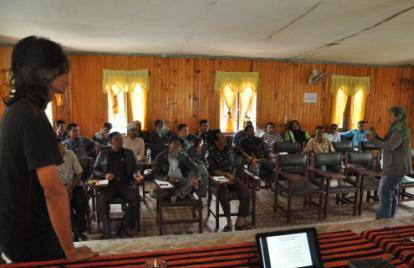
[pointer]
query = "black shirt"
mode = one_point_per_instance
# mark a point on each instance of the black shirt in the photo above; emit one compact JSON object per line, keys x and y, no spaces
{"x":116,"y":166}
{"x":254,"y":146}
{"x":27,"y":142}
{"x":221,"y":160}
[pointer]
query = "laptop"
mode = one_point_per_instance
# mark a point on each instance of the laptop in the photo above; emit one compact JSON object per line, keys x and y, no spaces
{"x":297,"y":248}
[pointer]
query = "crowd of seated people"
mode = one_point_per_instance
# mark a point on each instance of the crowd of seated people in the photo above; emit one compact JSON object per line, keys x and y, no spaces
{"x":185,"y":160}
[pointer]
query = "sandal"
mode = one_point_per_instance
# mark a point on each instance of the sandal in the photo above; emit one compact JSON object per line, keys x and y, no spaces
{"x":227,"y":228}
{"x":242,"y":227}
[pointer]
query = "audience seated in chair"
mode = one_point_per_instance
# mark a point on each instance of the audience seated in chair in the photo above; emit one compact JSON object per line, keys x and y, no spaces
{"x":197,"y":152}
{"x":333,"y":134}
{"x":133,"y":142}
{"x":61,"y":130}
{"x":177,"y":168}
{"x":357,"y":135}
{"x":319,"y":144}
{"x":220,"y":163}
{"x":255,"y":153}
{"x":184,"y":133}
{"x":271,"y":136}
{"x":241,"y":134}
{"x":159,"y":138}
{"x":101,"y":136}
{"x":295,"y":134}
{"x":203,"y":131}
{"x":81,"y":146}
{"x":70,"y":173}
{"x":119,"y":166}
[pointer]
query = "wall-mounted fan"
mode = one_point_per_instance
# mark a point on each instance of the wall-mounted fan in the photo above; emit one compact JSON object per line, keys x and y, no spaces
{"x":315,"y":76}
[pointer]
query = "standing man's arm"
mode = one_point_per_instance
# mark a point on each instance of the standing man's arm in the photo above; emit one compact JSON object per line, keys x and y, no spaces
{"x":57,"y":202}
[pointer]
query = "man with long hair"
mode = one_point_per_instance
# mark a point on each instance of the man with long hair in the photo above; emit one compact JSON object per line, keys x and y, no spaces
{"x":34,"y":207}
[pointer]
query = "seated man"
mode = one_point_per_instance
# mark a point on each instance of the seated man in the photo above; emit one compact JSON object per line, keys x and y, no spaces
{"x":241,"y":134}
{"x":81,"y":146}
{"x":333,"y":134}
{"x":178,"y":169}
{"x":133,"y":142}
{"x":184,"y":133}
{"x":70,"y":173}
{"x":319,"y":144}
{"x":203,"y":131}
{"x":197,"y":152}
{"x":271,"y":136}
{"x":220,"y":163}
{"x":357,"y":135}
{"x":254,"y":152}
{"x":159,"y":138}
{"x":119,"y":166}
{"x":238,"y":158}
{"x":61,"y":130}
{"x":101,"y":136}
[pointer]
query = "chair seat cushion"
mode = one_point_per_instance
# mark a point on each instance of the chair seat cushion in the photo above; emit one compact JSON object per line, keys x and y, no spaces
{"x":301,"y":187}
{"x":406,"y":180}
{"x":370,"y":182}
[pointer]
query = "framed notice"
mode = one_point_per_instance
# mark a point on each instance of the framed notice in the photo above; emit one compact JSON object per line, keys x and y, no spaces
{"x":310,"y":97}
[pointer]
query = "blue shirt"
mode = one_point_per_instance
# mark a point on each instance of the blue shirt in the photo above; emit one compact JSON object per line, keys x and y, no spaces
{"x":357,"y":136}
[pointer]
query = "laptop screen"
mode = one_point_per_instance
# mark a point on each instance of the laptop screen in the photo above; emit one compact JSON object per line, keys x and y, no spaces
{"x":289,"y":249}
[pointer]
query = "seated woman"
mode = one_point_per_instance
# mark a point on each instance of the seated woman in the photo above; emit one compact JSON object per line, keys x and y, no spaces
{"x":295,"y":134}
{"x":220,"y":163}
{"x":178,"y":169}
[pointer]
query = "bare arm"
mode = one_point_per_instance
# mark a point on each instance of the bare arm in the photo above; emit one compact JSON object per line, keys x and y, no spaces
{"x":58,"y":207}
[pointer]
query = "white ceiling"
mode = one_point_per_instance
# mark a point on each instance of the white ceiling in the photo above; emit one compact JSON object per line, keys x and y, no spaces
{"x":363,"y":31}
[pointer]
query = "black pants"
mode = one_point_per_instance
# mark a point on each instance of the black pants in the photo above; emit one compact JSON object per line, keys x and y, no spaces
{"x":79,"y":205}
{"x":127,"y":193}
{"x":243,"y":195}
{"x":47,"y":249}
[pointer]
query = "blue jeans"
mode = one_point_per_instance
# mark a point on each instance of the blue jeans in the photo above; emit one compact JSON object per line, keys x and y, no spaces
{"x":388,"y":193}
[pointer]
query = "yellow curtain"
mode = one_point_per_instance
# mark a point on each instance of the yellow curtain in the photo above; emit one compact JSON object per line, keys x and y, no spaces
{"x":338,"y":107}
{"x":115,"y":81}
{"x":229,"y":96}
{"x":358,"y":104}
{"x":139,"y":104}
{"x":343,"y":86}
{"x":229,"y":84}
{"x":58,"y":99}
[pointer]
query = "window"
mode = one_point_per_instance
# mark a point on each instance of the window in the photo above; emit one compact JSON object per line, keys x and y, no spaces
{"x":117,"y":112}
{"x":349,"y":111}
{"x":236,"y":107}
{"x":49,"y":112}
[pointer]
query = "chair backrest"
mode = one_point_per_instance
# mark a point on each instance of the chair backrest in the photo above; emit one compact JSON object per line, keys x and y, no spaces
{"x":287,"y":147}
{"x":412,"y":154}
{"x":342,"y":146}
{"x":327,"y":159}
{"x":360,"y":158}
{"x":292,"y":163}
{"x":366,"y":146}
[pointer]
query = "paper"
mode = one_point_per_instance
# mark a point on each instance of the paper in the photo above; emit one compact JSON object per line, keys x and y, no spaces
{"x":220,"y":179}
{"x":310,"y":97}
{"x":289,"y":251}
{"x":102,"y":182}
{"x":163,"y":184}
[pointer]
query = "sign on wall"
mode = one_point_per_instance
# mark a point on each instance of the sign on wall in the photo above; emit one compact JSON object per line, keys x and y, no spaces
{"x":310,"y":97}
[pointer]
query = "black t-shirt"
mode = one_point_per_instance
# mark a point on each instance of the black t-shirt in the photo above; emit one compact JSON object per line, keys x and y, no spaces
{"x":27,"y":142}
{"x":116,"y":166}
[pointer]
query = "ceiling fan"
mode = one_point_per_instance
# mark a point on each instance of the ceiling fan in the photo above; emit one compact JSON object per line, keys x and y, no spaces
{"x":315,"y":76}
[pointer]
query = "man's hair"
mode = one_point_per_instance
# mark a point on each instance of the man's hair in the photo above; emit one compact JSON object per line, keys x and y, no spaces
{"x":318,"y":127}
{"x":247,"y":127}
{"x":158,"y":122}
{"x":72,"y":126}
{"x":292,"y":122}
{"x":361,"y":122}
{"x":333,"y":125}
{"x":113,"y":135}
{"x":215,"y":134}
{"x":270,"y":124}
{"x":181,"y":127}
{"x":35,"y":63}
{"x":202,"y":122}
{"x":107,"y":125}
{"x":59,"y":122}
{"x":175,"y":138}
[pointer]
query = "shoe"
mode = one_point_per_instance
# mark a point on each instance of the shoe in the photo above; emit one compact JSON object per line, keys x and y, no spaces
{"x":243,"y":227}
{"x":75,"y":237}
{"x":83,"y":237}
{"x":125,"y":232}
{"x":106,"y":236}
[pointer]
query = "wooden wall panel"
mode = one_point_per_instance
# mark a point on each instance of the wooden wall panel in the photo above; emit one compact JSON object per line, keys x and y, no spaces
{"x":182,"y":90}
{"x":5,"y":61}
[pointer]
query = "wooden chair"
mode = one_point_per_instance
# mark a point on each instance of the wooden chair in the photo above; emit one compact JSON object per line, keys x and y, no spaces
{"x":333,"y":182}
{"x":212,"y":189}
{"x":287,"y":147}
{"x":195,"y":204}
{"x":408,"y":182}
{"x":292,"y":180}
{"x":360,"y":165}
{"x":87,"y":166}
{"x":343,"y":147}
{"x":375,"y":150}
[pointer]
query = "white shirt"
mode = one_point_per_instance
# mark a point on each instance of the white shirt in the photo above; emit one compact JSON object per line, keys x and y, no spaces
{"x":137,"y":146}
{"x":332,"y":137}
{"x":70,"y":167}
{"x":174,"y":171}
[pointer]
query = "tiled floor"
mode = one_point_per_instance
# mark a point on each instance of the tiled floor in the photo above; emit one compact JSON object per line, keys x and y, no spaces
{"x":266,"y":219}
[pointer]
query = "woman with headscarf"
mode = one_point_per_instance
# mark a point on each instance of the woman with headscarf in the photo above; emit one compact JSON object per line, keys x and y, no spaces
{"x":396,"y":158}
{"x":295,"y":134}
